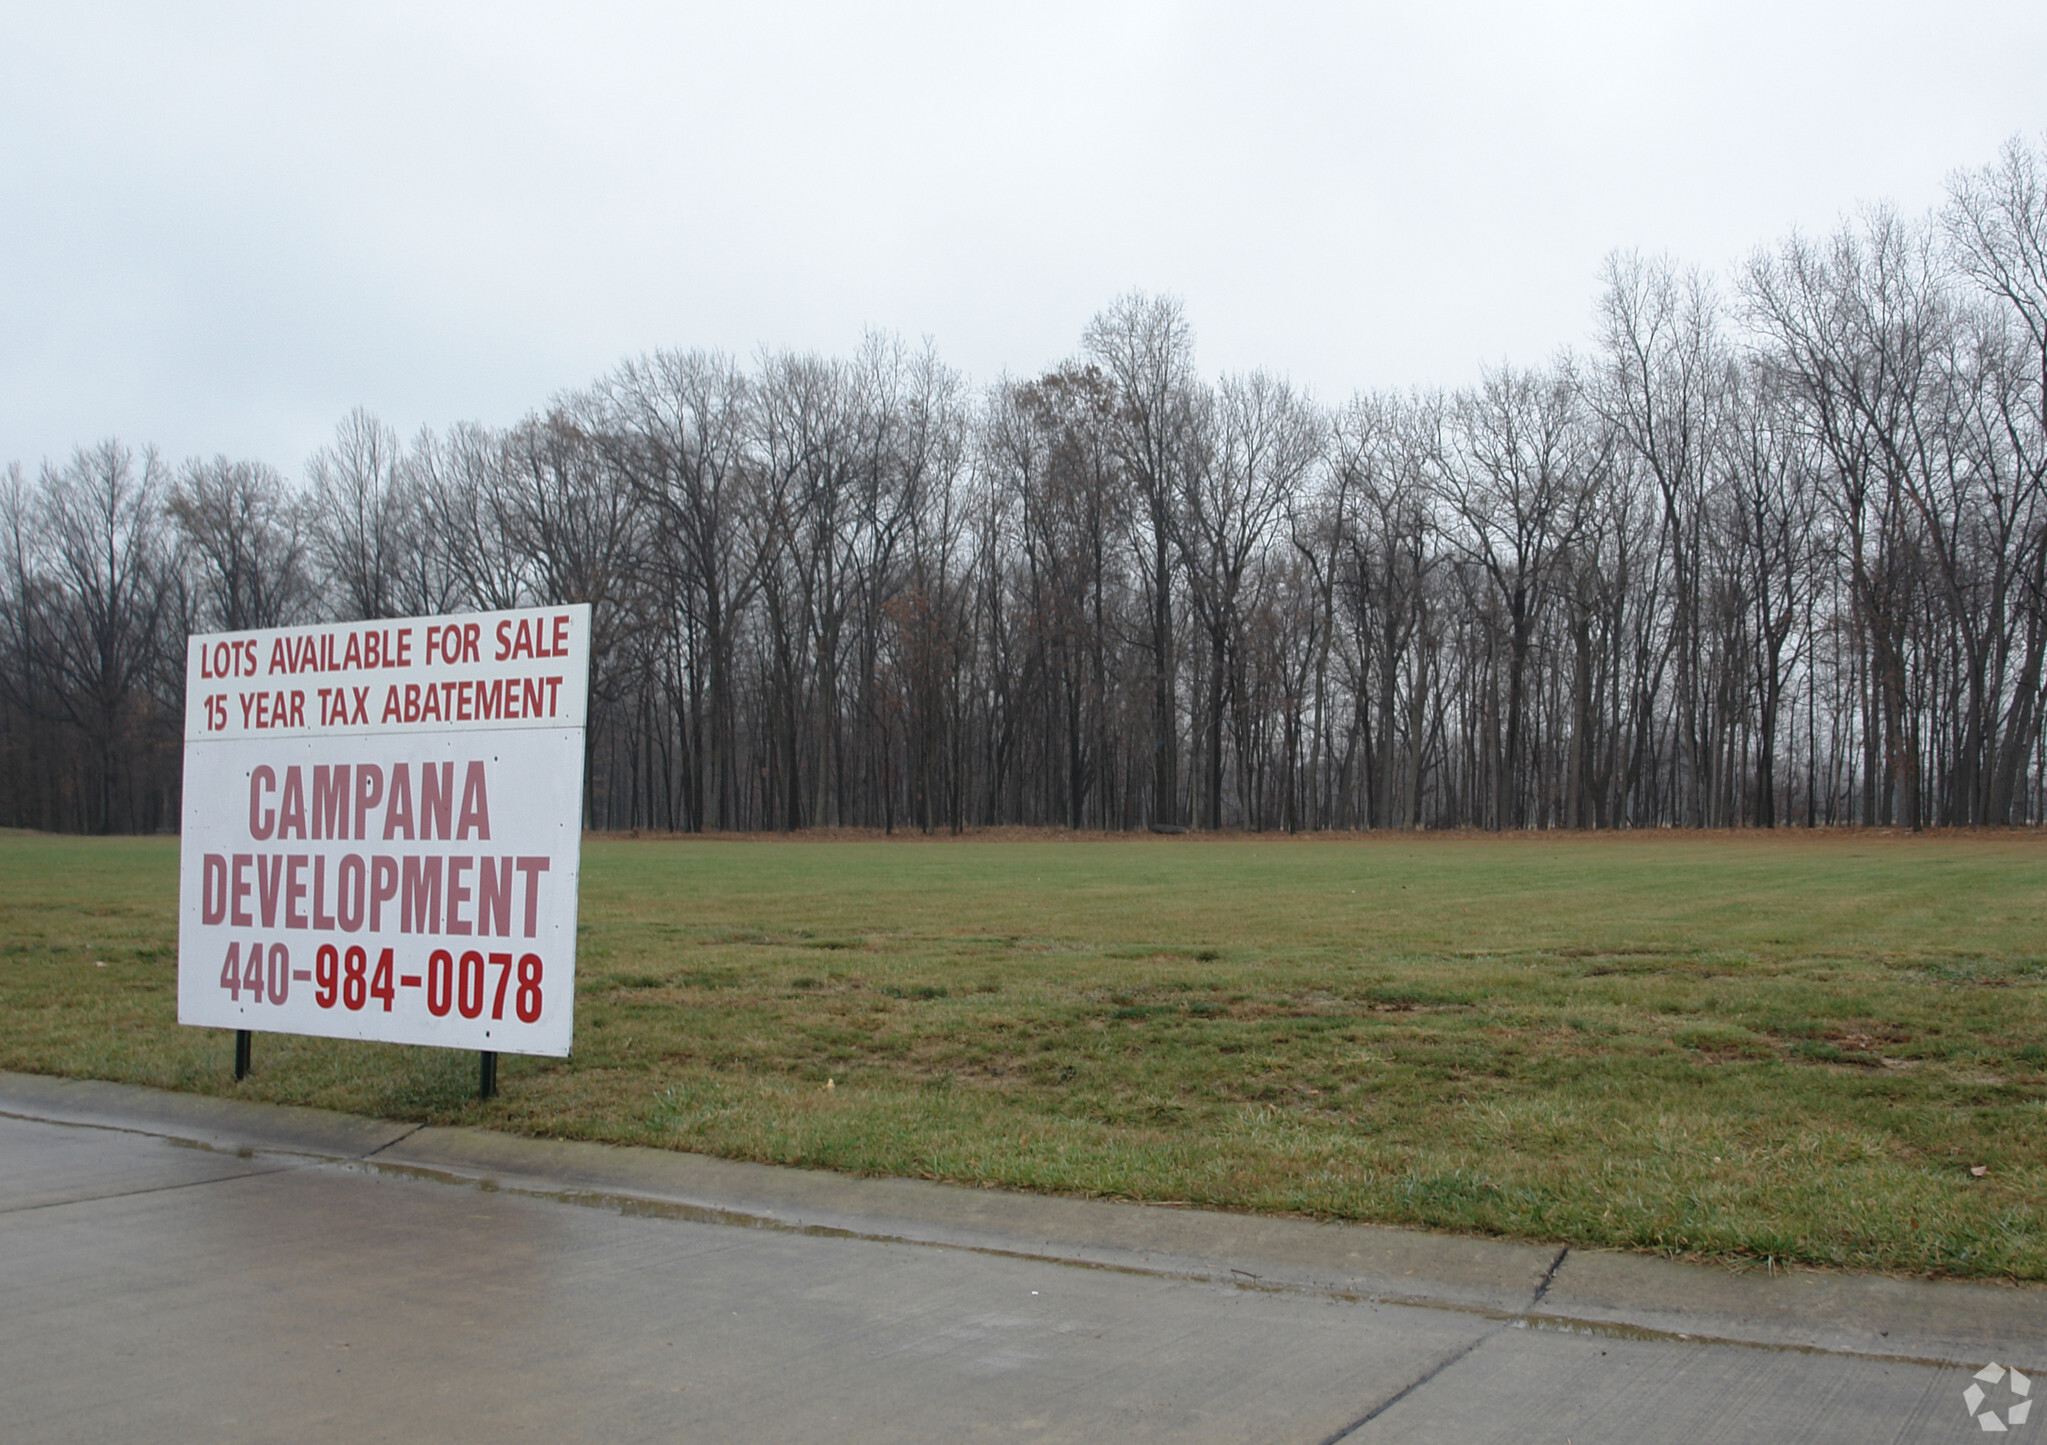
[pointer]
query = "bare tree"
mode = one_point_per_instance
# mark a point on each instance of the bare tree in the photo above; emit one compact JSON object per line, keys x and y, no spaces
{"x":1771,"y":505}
{"x":466,"y":490}
{"x":1145,"y":346}
{"x":678,"y":427}
{"x":365,"y":518}
{"x":102,"y":528}
{"x":1858,"y":328}
{"x":1518,"y":479}
{"x":244,"y":534}
{"x":1996,"y":225}
{"x":1266,"y":439}
{"x":1662,"y":391}
{"x":1046,"y":451}
{"x":1384,"y":545}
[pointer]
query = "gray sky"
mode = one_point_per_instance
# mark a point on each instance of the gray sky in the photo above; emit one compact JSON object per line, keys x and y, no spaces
{"x":223,"y":226}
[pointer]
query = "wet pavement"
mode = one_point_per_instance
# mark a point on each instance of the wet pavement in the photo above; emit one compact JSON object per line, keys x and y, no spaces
{"x":183,"y":1269}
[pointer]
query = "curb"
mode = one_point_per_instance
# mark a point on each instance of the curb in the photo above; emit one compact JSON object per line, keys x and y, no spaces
{"x":1927,"y":1321}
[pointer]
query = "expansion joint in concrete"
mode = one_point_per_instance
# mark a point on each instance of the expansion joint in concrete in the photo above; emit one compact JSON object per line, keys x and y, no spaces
{"x":1548,"y":1277}
{"x":399,"y":1139}
{"x":151,"y":1189}
{"x":1542,"y":1288}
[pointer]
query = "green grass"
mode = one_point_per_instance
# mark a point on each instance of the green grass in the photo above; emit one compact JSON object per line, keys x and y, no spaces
{"x":1746,"y":1047}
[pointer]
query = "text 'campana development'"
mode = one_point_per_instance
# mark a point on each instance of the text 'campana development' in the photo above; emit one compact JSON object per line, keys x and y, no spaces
{"x":360,"y":801}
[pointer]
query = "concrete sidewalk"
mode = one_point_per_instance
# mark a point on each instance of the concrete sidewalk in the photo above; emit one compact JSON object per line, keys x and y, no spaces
{"x":864,"y":1309}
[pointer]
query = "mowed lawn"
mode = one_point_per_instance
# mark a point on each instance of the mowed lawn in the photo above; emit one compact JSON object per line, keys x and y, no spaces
{"x":1783,"y":1048}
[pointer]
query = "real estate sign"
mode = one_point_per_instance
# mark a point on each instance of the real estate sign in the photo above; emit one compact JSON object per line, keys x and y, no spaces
{"x":383,"y":829}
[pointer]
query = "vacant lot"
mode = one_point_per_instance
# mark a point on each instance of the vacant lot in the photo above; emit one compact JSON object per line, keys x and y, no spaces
{"x":1796,"y":1049}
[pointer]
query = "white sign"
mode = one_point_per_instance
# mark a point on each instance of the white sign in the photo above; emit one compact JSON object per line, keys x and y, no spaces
{"x":383,"y":829}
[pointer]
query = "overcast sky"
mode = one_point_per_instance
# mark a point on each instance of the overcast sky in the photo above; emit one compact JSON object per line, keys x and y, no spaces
{"x":223,"y":226}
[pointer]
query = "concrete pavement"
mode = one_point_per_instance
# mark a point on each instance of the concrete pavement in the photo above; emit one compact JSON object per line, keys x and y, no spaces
{"x":178,"y":1267}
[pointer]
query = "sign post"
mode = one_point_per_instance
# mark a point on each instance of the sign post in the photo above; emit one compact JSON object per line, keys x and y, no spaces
{"x":382,"y":832}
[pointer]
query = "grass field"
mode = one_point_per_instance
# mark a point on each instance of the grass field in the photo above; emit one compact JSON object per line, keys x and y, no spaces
{"x":1758,"y":1048}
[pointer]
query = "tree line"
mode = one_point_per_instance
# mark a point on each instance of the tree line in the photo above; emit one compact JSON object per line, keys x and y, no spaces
{"x":1771,"y":551}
